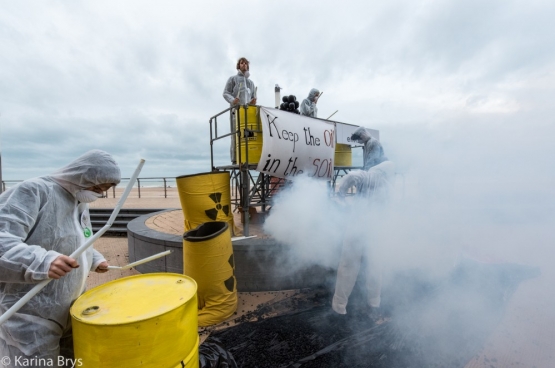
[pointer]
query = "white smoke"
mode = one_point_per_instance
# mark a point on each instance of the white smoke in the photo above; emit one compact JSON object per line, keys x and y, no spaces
{"x":307,"y":220}
{"x":478,"y":190}
{"x":460,"y":190}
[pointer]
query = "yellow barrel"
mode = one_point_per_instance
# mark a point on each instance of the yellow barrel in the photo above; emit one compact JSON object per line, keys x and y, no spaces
{"x":138,"y":321}
{"x":343,"y":155}
{"x":205,"y":197}
{"x":208,"y":259}
{"x":254,"y":139}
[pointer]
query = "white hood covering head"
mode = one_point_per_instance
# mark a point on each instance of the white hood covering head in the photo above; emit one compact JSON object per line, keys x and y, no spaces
{"x":93,"y":168}
{"x":361,"y":135}
{"x":308,"y":106}
{"x":312,"y":94}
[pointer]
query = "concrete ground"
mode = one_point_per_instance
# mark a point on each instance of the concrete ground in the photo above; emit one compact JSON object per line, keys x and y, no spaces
{"x":525,"y":337}
{"x":114,"y":249}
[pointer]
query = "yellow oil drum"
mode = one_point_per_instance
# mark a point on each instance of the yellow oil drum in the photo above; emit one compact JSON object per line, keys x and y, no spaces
{"x":138,"y":321}
{"x":254,"y":145}
{"x":205,"y":197}
{"x":208,"y":259}
{"x":343,"y":155}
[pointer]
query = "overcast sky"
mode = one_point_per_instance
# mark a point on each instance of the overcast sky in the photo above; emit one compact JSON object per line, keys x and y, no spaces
{"x":462,"y":92}
{"x":140,"y":79}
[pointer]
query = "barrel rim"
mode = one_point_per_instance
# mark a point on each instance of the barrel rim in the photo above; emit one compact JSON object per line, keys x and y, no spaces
{"x":121,"y":323}
{"x":207,"y":237}
{"x":200,"y":174}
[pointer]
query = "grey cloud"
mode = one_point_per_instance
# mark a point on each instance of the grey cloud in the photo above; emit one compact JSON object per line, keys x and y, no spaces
{"x":124,"y":73}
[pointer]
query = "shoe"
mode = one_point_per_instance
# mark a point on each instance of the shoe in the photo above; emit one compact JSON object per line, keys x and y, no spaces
{"x":333,"y":318}
{"x":376,"y":315}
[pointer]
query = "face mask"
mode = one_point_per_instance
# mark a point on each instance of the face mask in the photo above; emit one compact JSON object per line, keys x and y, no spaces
{"x":87,"y":196}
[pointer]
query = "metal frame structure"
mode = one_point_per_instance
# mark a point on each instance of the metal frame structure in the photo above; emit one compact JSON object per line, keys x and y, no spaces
{"x":250,"y":188}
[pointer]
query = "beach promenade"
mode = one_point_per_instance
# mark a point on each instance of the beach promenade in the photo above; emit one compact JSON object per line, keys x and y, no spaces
{"x":113,"y":248}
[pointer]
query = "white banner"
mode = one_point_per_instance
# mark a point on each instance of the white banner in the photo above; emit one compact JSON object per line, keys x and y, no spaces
{"x":344,"y":131}
{"x":295,"y":144}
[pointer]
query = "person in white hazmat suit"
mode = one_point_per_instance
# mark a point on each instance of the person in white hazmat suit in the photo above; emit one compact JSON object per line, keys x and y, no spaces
{"x":239,"y":90}
{"x":42,"y":221}
{"x":308,"y":106}
{"x":373,"y":152}
{"x":371,"y":188}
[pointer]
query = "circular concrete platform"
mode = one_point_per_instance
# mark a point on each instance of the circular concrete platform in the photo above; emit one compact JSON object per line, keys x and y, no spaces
{"x":258,"y":261}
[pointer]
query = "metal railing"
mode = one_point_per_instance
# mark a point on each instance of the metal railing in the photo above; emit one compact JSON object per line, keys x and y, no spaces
{"x":240,"y":172}
{"x":164,"y":183}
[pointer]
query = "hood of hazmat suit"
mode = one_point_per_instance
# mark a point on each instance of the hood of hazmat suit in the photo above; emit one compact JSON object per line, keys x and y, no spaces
{"x":40,"y":219}
{"x":308,"y":106}
{"x":373,"y":152}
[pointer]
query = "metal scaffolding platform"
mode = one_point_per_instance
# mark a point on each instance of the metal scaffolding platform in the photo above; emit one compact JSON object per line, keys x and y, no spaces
{"x":252,"y":192}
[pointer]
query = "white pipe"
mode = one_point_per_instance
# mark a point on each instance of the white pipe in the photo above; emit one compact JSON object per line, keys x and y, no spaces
{"x":278,"y":95}
{"x":242,"y":237}
{"x":141,"y":261}
{"x":332,"y":115}
{"x":38,"y":287}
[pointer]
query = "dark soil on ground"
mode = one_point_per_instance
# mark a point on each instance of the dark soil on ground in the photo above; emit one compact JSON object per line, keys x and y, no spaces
{"x":422,"y":323}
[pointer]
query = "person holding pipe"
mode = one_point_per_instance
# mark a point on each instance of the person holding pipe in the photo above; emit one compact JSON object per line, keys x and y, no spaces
{"x":239,"y":90}
{"x":308,"y":106}
{"x":42,"y":221}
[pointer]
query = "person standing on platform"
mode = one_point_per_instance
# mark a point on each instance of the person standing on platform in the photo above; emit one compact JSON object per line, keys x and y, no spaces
{"x":42,"y":221}
{"x":373,"y":153}
{"x":308,"y":106}
{"x":239,"y":90}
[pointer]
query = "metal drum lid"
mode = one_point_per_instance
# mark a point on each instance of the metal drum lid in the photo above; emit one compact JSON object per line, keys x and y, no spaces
{"x":134,"y":298}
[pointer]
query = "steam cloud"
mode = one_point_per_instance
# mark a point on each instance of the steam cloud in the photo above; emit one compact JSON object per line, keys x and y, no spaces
{"x":474,"y":191}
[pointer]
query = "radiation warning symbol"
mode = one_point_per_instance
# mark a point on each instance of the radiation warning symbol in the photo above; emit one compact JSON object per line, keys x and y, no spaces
{"x":213,"y":212}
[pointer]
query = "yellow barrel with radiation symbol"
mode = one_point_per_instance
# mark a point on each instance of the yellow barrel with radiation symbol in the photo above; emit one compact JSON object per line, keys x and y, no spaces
{"x":205,"y":197}
{"x":208,"y":259}
{"x":250,"y":142}
{"x":138,"y":321}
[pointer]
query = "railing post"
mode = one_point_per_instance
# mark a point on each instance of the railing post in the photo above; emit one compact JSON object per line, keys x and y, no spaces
{"x":245,"y":189}
{"x":165,"y":191}
{"x":114,"y":191}
{"x":212,"y":142}
{"x":139,"y":186}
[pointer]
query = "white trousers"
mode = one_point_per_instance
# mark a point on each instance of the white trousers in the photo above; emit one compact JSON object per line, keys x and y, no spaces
{"x":355,"y":249}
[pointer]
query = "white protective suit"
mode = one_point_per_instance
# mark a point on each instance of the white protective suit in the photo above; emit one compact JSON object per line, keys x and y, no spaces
{"x":40,"y":219}
{"x":373,"y":152}
{"x":372,"y":191}
{"x":239,"y":86}
{"x":308,"y":106}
